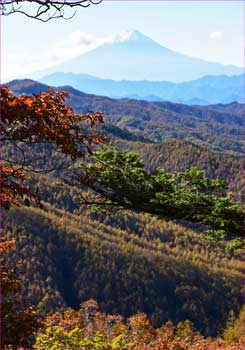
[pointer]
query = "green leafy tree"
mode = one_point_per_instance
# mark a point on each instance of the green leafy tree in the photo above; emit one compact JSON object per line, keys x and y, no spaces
{"x":117,"y":180}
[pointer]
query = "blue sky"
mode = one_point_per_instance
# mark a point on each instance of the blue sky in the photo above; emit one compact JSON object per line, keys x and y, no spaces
{"x":212,"y":30}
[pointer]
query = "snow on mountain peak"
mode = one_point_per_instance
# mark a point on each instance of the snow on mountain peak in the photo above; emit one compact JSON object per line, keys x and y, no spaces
{"x":129,"y":35}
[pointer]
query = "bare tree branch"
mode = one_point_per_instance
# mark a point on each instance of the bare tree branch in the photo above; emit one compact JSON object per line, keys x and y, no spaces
{"x":44,"y":10}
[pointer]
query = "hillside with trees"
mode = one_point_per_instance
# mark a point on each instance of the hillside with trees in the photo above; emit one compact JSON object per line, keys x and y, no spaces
{"x":215,"y":127}
{"x":129,"y":262}
{"x":122,"y":219}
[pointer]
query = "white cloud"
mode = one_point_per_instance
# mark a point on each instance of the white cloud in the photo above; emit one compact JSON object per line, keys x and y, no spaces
{"x":80,"y":38}
{"x":75,"y":44}
{"x":216,"y":35}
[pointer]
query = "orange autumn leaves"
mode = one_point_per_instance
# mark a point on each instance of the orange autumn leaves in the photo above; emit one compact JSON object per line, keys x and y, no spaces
{"x":43,"y":118}
{"x":88,"y":328}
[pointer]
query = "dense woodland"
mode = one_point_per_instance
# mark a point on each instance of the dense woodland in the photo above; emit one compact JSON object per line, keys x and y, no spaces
{"x":131,"y":263}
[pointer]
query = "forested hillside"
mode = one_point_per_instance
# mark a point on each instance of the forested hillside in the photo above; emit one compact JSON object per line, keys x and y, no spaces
{"x":132,"y":262}
{"x":122,"y":175}
{"x":180,"y":155}
{"x":65,"y":256}
{"x":219,"y":128}
{"x":129,"y":264}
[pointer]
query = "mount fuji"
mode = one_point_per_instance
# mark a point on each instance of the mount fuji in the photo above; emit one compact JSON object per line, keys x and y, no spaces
{"x":135,"y":56}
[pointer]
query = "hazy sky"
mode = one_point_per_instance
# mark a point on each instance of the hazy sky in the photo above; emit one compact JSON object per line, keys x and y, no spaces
{"x":212,"y":30}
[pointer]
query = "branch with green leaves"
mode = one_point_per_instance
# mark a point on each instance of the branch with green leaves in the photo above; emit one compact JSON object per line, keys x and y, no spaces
{"x":117,"y":180}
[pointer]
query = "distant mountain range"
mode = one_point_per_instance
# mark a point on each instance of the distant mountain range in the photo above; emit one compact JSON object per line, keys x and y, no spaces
{"x":218,"y":127}
{"x":203,"y":91}
{"x":135,"y":56}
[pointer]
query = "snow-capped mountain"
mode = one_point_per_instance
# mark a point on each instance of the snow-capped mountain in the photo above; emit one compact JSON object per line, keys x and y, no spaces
{"x":135,"y":56}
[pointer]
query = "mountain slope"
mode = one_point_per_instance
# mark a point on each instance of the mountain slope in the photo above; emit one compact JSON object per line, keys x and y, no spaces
{"x":216,"y":127}
{"x":159,"y":268}
{"x":129,"y":262}
{"x":182,"y":155}
{"x":206,"y":90}
{"x":138,"y":57}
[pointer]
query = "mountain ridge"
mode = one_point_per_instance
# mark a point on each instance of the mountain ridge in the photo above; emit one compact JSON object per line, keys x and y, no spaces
{"x":204,"y":91}
{"x":218,"y":127}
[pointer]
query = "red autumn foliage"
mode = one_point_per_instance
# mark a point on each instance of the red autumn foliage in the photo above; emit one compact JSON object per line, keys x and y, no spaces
{"x":43,"y":118}
{"x":18,"y":323}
